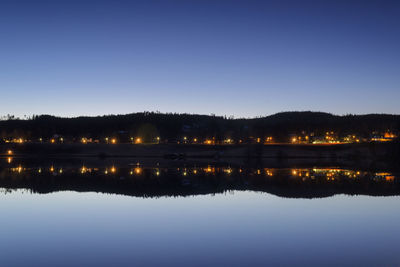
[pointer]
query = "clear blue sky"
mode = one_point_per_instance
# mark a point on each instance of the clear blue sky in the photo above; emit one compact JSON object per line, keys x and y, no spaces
{"x":242,"y":58}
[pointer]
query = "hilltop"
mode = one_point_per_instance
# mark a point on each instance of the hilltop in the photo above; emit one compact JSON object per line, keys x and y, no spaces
{"x":150,"y":125}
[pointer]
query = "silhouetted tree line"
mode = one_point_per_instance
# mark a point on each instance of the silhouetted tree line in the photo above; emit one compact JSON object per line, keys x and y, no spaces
{"x":171,"y":127}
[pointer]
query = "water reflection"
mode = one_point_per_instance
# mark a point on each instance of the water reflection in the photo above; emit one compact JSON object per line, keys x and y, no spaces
{"x":245,"y":228}
{"x":155,"y":181}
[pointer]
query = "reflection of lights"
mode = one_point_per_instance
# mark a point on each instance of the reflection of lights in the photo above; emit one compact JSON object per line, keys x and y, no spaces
{"x":83,"y":169}
{"x":332,"y":175}
{"x":268,"y":139}
{"x":268,"y":172}
{"x":228,"y":170}
{"x":9,"y":160}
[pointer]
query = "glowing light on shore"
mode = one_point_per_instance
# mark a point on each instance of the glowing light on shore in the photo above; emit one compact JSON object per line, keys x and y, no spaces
{"x":138,"y":170}
{"x":389,"y":178}
{"x":208,"y":142}
{"x":209,"y":169}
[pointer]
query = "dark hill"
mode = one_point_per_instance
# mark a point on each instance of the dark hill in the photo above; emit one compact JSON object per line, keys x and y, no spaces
{"x":173,"y":126}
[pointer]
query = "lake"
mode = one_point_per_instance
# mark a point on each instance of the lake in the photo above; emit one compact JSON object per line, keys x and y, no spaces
{"x":126,"y":212}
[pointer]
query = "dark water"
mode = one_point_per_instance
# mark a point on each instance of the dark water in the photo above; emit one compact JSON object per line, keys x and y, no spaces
{"x":128,"y":213}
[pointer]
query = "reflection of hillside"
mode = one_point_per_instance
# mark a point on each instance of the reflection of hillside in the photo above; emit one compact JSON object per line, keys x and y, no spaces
{"x":183,"y":181}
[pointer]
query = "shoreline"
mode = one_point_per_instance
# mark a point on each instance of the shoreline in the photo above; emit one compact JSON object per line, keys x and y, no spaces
{"x":173,"y":151}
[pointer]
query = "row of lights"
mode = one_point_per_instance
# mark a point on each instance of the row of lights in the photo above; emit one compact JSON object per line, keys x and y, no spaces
{"x":331,"y":174}
{"x":328,"y":138}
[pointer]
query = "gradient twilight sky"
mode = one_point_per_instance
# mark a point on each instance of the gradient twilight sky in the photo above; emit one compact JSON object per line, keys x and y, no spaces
{"x":242,"y":58}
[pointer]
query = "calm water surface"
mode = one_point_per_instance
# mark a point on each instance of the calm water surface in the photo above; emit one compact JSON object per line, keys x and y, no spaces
{"x":167,"y":216}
